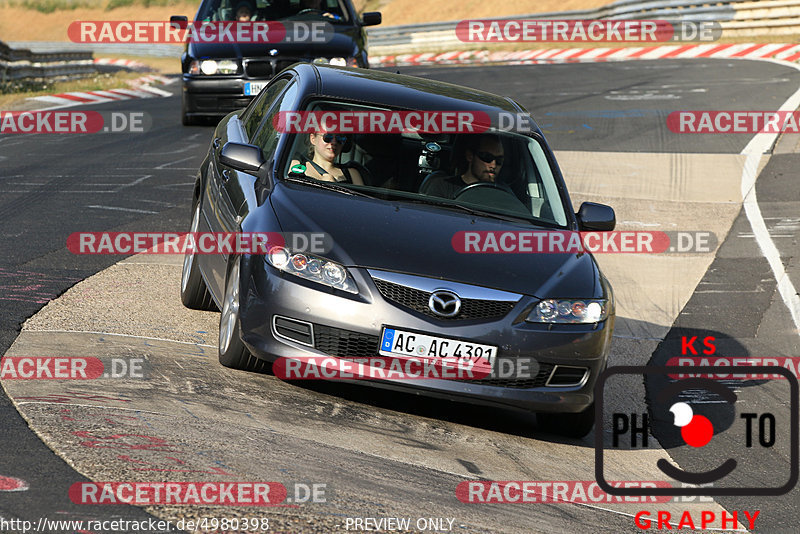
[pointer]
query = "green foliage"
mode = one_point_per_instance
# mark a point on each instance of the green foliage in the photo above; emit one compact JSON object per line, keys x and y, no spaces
{"x":20,"y":86}
{"x":113,"y":4}
{"x":50,"y":6}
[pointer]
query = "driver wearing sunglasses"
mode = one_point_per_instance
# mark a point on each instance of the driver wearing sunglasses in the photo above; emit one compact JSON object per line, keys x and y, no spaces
{"x":484,"y":160}
{"x":320,"y":163}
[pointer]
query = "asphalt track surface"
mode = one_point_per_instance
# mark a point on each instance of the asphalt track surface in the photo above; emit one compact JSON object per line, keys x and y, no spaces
{"x":53,"y":186}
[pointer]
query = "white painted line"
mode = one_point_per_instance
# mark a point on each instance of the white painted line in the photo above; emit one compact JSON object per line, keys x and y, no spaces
{"x":96,"y":332}
{"x":114,"y":208}
{"x":753,"y":152}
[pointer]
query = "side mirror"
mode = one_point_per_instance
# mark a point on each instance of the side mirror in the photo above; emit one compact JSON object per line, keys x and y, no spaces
{"x":598,"y":217}
{"x":371,"y":18}
{"x":241,"y":157}
{"x":181,"y":20}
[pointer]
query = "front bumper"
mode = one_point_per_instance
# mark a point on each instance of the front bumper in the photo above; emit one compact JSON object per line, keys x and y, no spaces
{"x":214,"y":97}
{"x":348,"y":325}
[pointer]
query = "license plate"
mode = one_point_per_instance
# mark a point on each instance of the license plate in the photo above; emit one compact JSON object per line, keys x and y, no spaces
{"x":253,"y":88}
{"x":400,"y":342}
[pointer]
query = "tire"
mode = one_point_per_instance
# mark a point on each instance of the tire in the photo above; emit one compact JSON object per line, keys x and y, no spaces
{"x":571,"y":425}
{"x":232,"y":352}
{"x":186,"y":119}
{"x":194,"y":293}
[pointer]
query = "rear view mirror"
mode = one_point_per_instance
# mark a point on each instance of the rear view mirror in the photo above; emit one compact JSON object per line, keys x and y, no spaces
{"x":598,"y":217}
{"x":241,"y":157}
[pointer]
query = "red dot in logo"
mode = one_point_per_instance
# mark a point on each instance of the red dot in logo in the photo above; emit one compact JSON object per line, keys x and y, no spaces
{"x":698,"y":432}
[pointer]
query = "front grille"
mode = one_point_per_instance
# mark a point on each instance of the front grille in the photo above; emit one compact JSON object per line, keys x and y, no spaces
{"x":518,"y":383}
{"x":344,"y":343}
{"x":417,"y":300}
{"x":257,"y":68}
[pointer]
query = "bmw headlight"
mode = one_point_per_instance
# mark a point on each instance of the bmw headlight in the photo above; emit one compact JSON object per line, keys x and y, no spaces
{"x":575,"y":311}
{"x":312,"y":268}
{"x":336,"y":61}
{"x":210,"y":67}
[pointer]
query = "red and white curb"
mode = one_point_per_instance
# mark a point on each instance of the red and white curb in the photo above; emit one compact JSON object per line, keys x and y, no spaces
{"x":785,"y":52}
{"x":125,"y":63}
{"x":140,"y":88}
{"x":12,"y":484}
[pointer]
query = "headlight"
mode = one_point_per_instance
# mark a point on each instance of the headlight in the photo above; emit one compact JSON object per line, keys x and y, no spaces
{"x":344,"y":62}
{"x":312,"y":268}
{"x":210,"y":67}
{"x":336,"y":61}
{"x":569,"y":311}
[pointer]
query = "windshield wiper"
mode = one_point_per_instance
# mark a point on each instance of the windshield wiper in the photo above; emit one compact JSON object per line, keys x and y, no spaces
{"x":330,"y":186}
{"x":469,"y":209}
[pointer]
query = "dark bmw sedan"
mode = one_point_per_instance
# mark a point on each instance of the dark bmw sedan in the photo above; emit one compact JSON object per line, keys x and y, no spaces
{"x":415,"y":255}
{"x":220,"y":76}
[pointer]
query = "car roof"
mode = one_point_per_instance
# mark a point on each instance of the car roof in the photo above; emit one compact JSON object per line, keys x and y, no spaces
{"x":399,"y":91}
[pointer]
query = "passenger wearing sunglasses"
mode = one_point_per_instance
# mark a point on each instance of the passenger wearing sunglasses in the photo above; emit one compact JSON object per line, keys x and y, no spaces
{"x":484,"y":160}
{"x":321,"y":161}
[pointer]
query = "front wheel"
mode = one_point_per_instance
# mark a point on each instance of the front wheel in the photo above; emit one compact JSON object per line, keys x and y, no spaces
{"x":232,"y":352}
{"x":194,"y":293}
{"x":186,"y":119}
{"x":571,"y":425}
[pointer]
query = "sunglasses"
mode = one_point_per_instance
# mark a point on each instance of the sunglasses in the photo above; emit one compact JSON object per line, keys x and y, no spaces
{"x":328,"y":137}
{"x":488,"y":157}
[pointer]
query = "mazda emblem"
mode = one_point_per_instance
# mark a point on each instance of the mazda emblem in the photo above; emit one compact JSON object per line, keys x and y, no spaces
{"x":444,"y":303}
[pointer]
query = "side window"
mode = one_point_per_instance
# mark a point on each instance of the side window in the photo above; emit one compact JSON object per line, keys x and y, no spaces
{"x":253,"y":120}
{"x":267,"y":137}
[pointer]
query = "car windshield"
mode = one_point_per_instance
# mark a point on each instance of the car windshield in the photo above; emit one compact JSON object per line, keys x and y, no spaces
{"x":496,"y":173}
{"x":262,"y":10}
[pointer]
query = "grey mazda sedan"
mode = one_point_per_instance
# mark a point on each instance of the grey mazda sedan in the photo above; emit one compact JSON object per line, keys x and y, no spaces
{"x":422,"y":221}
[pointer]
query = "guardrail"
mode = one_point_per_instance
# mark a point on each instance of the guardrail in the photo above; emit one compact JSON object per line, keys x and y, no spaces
{"x":738,"y":18}
{"x":20,"y":64}
{"x":112,"y":49}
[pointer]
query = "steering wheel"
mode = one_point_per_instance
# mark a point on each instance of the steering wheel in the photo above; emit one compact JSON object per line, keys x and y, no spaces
{"x":492,"y":195}
{"x":478,"y":185}
{"x":309,"y":10}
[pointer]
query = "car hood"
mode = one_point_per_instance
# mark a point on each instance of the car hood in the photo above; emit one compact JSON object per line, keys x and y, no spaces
{"x":342,"y":44}
{"x":417,"y":239}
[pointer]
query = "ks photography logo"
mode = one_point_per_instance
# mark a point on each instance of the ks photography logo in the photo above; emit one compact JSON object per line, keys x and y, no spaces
{"x":725,"y":437}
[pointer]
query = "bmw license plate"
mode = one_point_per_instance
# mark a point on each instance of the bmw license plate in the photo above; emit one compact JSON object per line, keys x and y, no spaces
{"x":253,"y":88}
{"x":402,"y":343}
